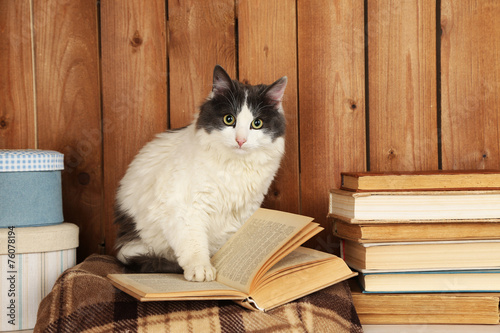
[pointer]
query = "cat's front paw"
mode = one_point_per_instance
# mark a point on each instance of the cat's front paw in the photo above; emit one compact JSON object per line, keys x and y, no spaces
{"x":200,"y":273}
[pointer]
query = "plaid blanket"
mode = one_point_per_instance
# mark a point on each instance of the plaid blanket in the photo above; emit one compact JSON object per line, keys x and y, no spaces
{"x":83,"y":300}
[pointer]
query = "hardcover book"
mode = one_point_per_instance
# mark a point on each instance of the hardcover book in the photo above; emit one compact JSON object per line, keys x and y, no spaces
{"x":443,"y":308}
{"x":431,"y":281}
{"x":261,"y":267}
{"x":445,"y":255}
{"x":421,"y":180}
{"x":406,"y":232}
{"x":416,"y":207}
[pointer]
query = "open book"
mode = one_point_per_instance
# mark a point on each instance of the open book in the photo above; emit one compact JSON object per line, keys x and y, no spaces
{"x":261,"y":267}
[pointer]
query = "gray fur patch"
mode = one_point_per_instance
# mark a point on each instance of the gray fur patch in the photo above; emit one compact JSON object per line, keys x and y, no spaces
{"x":146,"y":263}
{"x":127,"y":230}
{"x":152,"y":263}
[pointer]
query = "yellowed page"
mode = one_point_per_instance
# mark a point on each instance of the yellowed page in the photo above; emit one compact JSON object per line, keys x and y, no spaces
{"x":171,"y":286}
{"x":298,"y":257}
{"x":239,"y":260}
{"x":302,"y":258}
{"x":300,"y":282}
{"x":297,"y":240}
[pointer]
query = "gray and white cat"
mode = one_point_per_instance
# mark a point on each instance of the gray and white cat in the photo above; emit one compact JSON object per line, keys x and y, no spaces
{"x":189,"y":190}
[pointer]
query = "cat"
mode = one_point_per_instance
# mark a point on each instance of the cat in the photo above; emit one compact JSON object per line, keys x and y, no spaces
{"x":188,"y":190}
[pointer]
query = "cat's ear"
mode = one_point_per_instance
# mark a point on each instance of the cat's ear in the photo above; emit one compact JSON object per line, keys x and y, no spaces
{"x":276,"y":90}
{"x":222,"y":81}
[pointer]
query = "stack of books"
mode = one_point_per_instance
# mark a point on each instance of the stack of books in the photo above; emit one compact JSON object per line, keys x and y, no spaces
{"x":421,"y":240}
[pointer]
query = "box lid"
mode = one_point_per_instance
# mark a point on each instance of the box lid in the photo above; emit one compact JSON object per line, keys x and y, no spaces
{"x":30,"y":160}
{"x":38,"y":239}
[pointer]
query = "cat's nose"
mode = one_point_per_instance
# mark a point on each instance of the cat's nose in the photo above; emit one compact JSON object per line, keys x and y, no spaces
{"x":241,"y":141}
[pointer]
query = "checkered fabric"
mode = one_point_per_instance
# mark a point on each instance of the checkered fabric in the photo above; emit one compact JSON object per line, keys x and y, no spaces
{"x":30,"y":160}
{"x":84,"y":300}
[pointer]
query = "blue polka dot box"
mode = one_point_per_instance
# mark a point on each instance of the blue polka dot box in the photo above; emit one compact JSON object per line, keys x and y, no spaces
{"x":30,"y":187}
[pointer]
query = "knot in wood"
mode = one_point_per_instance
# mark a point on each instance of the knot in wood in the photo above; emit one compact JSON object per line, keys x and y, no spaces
{"x":391,"y":154}
{"x":352,"y":104}
{"x":136,"y":39}
{"x":83,"y":178}
{"x":266,"y":50}
{"x":3,"y":123}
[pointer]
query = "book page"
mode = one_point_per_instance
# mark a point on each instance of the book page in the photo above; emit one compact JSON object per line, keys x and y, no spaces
{"x":298,"y":239}
{"x":239,"y":260}
{"x":298,"y":257}
{"x":297,"y":282}
{"x":168,"y":286}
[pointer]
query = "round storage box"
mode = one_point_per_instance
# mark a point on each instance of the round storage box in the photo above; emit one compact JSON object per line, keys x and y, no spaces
{"x":31,"y":260}
{"x":30,"y":187}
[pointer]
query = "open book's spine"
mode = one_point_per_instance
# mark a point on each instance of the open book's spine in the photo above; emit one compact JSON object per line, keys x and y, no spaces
{"x":249,"y":303}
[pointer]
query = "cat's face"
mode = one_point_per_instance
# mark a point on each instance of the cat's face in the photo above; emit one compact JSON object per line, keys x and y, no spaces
{"x":242,"y":117}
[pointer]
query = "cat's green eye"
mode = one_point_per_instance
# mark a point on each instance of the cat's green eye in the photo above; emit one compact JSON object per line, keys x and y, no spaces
{"x":257,"y":123}
{"x":229,"y":120}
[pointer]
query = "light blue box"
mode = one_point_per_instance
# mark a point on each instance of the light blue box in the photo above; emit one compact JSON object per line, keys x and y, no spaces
{"x":30,"y":187}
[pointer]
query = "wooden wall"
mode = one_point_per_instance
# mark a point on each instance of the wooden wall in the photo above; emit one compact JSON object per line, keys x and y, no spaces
{"x":373,"y":85}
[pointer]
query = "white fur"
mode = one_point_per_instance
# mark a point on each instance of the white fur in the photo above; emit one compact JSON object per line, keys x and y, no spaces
{"x":189,"y":191}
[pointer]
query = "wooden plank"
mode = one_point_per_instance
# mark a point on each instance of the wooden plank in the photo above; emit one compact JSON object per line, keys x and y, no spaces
{"x":134,"y":79}
{"x":267,"y":51}
{"x":17,"y":111}
{"x":68,"y":105}
{"x":402,"y":85}
{"x":331,"y":101}
{"x":470,"y":81}
{"x":201,"y":35}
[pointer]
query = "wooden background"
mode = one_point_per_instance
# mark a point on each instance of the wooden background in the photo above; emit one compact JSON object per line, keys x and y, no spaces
{"x":373,"y":85}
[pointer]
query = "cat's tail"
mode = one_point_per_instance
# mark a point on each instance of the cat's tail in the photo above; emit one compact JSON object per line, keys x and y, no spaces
{"x":152,"y":263}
